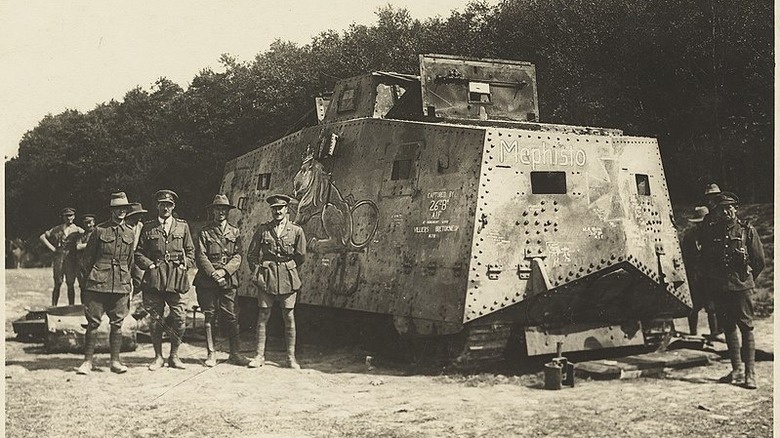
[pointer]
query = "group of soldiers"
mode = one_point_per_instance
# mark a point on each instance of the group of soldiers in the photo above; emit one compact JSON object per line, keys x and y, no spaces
{"x":723,"y":257}
{"x":123,"y":256}
{"x":722,"y":253}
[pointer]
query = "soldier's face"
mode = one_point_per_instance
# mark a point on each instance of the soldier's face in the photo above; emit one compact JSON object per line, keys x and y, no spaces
{"x":278,"y":212}
{"x":133,"y":220}
{"x":68,"y":218}
{"x":165,"y":209}
{"x":89,"y":223}
{"x":118,"y":213}
{"x":219,"y":214}
{"x":727,"y":212}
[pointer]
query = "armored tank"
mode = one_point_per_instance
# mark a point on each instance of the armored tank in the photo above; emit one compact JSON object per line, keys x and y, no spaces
{"x":439,"y":205}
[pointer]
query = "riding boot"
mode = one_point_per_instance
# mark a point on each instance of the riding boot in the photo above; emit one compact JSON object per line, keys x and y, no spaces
{"x":235,"y":347}
{"x":211,"y":354}
{"x":259,"y":359}
{"x":156,"y":335}
{"x":749,"y":348}
{"x":712,"y":320}
{"x":55,"y":296}
{"x":290,"y":337}
{"x":71,"y":295}
{"x":693,"y":322}
{"x":737,"y":374}
{"x":115,"y":345}
{"x":173,"y":359}
{"x":90,"y":339}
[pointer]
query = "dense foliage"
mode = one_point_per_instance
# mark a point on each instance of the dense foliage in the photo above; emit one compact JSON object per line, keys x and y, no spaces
{"x":696,"y":74}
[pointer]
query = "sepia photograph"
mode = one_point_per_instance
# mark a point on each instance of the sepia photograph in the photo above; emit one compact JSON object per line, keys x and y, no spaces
{"x":388,"y":218}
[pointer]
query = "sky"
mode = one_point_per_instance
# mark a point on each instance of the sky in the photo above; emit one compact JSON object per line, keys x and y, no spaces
{"x":76,"y":54}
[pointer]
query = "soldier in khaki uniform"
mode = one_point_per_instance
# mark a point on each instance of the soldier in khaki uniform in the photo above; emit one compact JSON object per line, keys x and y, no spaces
{"x":61,"y":240}
{"x":110,"y":251}
{"x":732,"y":258}
{"x":278,"y":248}
{"x":218,"y":257}
{"x":165,"y":251}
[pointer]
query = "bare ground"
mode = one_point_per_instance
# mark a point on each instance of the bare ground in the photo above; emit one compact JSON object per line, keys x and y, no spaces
{"x":335,"y":395}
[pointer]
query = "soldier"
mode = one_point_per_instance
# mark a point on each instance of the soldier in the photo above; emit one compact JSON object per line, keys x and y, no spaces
{"x":61,"y":240}
{"x":277,"y":249}
{"x":700,"y":294}
{"x":110,"y":251}
{"x":81,"y":254}
{"x":733,"y":257}
{"x":165,"y":251}
{"x":218,"y":257}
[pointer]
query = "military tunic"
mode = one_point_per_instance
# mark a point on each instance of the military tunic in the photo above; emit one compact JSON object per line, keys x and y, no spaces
{"x":110,"y":255}
{"x":275,"y":258}
{"x":217,"y":250}
{"x":732,"y":257}
{"x":171,"y":254}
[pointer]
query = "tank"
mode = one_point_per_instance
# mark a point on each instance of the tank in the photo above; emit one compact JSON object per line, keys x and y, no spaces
{"x":439,"y":206}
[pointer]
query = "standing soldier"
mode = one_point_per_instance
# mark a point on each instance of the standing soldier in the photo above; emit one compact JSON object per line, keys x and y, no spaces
{"x":278,"y":248}
{"x":700,"y":294}
{"x":61,"y":240}
{"x":110,"y":251}
{"x":733,"y":257}
{"x":165,"y":251}
{"x":218,"y":257}
{"x":81,"y":254}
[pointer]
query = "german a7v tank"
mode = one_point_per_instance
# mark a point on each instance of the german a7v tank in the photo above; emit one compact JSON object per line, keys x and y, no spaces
{"x":440,"y":203}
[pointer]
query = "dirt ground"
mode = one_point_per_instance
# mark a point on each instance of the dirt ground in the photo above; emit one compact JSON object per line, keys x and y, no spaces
{"x":335,"y":395}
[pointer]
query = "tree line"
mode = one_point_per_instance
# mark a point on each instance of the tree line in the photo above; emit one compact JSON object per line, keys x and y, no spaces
{"x":695,"y":74}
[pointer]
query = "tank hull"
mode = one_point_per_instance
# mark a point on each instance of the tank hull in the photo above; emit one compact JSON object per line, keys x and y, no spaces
{"x":442,"y":225}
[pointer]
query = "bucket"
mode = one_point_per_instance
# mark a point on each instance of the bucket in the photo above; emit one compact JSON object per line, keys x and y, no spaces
{"x":553,"y":375}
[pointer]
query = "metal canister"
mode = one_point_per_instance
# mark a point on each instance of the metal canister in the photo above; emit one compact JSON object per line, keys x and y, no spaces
{"x":553,"y":375}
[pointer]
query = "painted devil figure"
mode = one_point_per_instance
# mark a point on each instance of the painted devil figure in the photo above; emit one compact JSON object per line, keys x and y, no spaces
{"x":319,"y":197}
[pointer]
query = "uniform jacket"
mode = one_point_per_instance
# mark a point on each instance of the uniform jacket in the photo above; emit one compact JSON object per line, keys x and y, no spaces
{"x":732,"y":254}
{"x":172,"y":254}
{"x":110,"y":250}
{"x":64,"y":237}
{"x":274,"y":260}
{"x":217,"y":250}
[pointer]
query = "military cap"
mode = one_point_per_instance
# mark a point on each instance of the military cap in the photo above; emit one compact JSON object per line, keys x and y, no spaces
{"x":712,"y":189}
{"x":118,"y":199}
{"x":726,"y":198}
{"x":87,"y":215}
{"x":166,"y":196}
{"x":136,"y":208}
{"x":699,"y":213}
{"x":68,"y":211}
{"x":220,"y":201}
{"x":278,"y":199}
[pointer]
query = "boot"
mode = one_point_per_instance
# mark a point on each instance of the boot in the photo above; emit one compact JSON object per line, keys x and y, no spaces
{"x":211,"y":355}
{"x":290,"y":337}
{"x":259,"y":359}
{"x":693,"y":323}
{"x":156,"y":335}
{"x":737,"y":374}
{"x":71,"y":295}
{"x":55,"y":296}
{"x":749,"y":348}
{"x":90,"y":338}
{"x":115,"y":345}
{"x":235,"y":347}
{"x":712,"y":320}
{"x":173,"y":359}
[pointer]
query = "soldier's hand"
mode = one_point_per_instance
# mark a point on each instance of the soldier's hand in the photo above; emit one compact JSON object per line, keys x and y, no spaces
{"x":182,"y":266}
{"x":152,"y":266}
{"x":221,"y":281}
